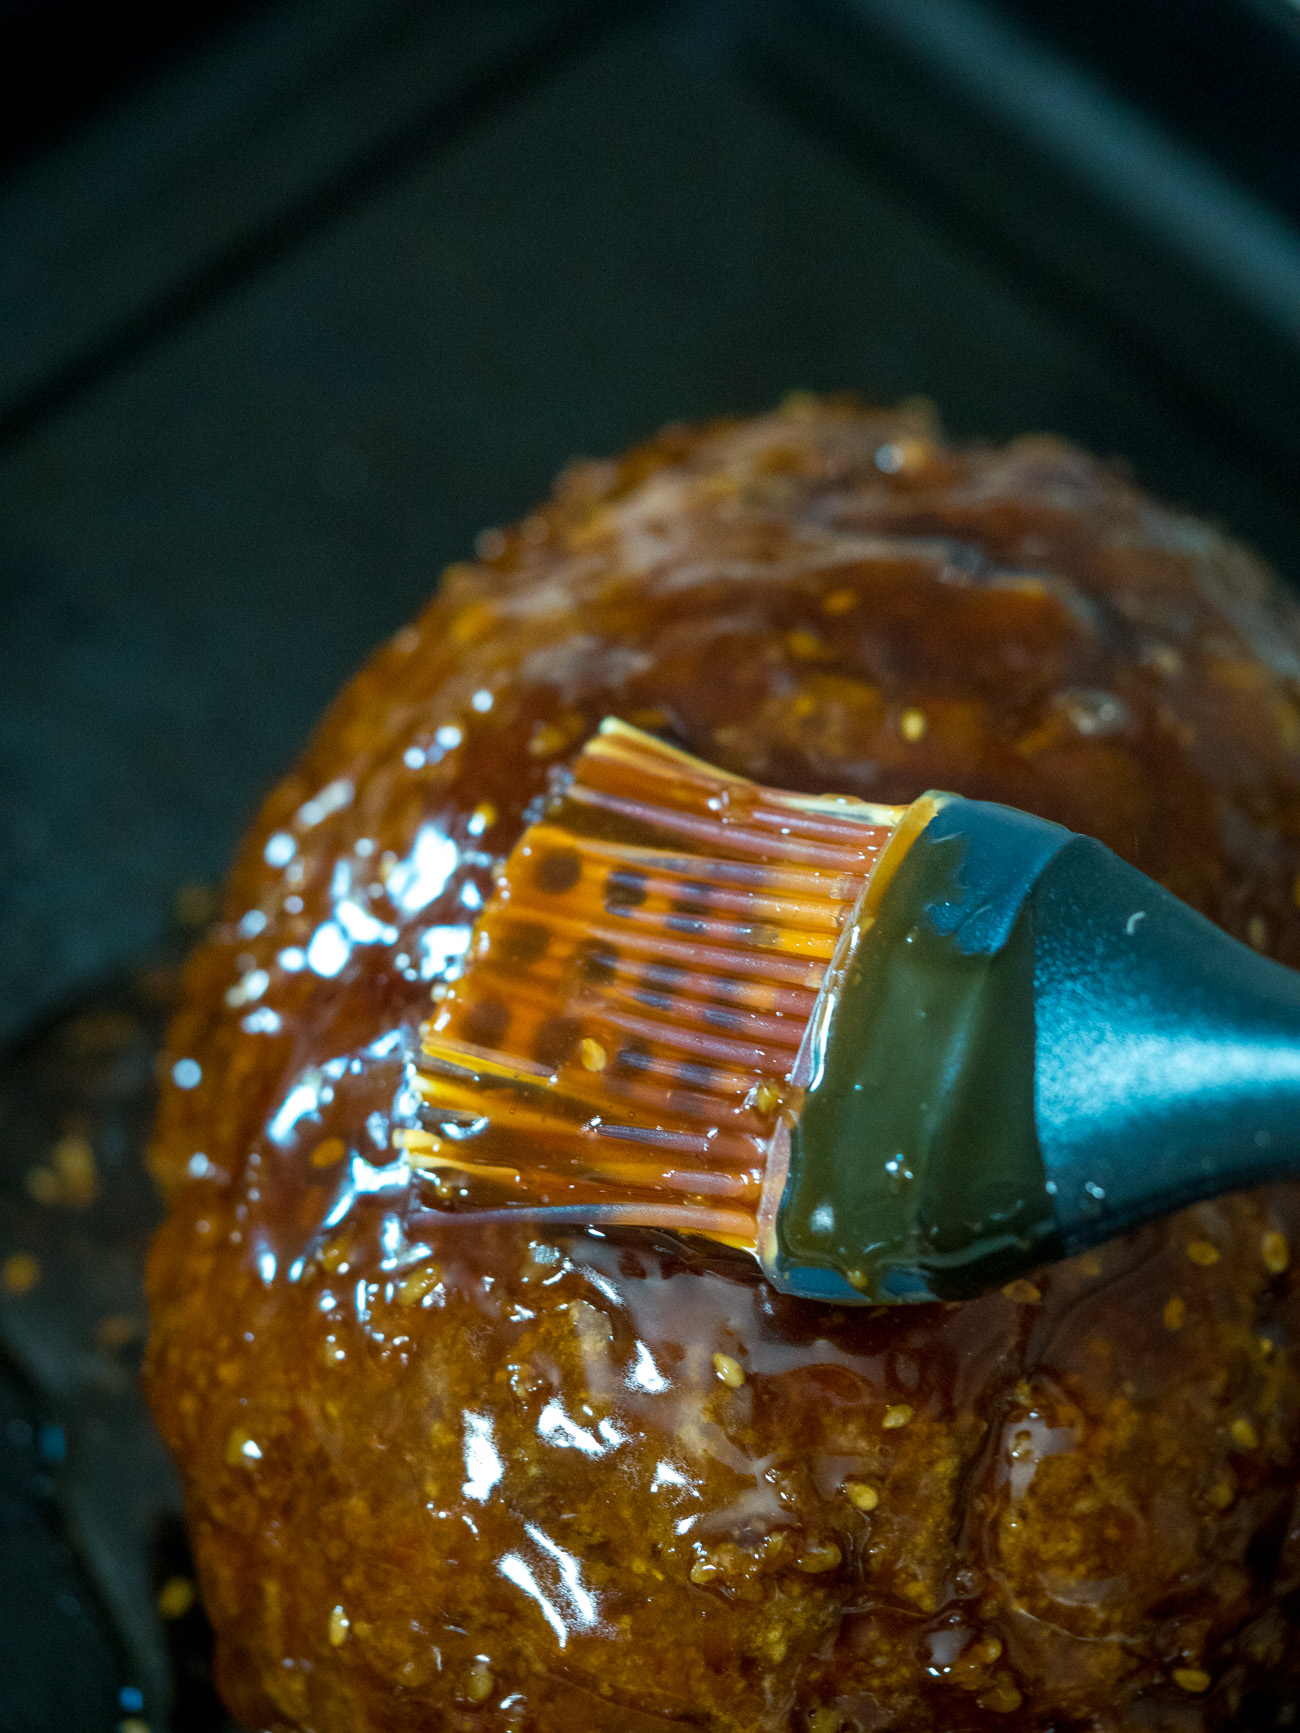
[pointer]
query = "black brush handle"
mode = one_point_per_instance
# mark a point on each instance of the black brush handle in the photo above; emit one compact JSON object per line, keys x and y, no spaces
{"x":1167,"y":1064}
{"x":1033,"y":1047}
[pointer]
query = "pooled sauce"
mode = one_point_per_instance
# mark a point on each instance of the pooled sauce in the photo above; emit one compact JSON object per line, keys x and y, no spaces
{"x":498,"y":1478}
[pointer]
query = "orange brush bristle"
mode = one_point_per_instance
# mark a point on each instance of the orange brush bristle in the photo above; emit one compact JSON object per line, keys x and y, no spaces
{"x":619,"y":1045}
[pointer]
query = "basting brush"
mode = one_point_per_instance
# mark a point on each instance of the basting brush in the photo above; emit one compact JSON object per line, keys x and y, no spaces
{"x":894,"y":1053}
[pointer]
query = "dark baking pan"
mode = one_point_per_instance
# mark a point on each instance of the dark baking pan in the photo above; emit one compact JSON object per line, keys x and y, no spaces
{"x":282,"y":330}
{"x":61,"y":61}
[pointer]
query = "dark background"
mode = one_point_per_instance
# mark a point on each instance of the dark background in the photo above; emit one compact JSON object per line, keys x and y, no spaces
{"x":295,"y":298}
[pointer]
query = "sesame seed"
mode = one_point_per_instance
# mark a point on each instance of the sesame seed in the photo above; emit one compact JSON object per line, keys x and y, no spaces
{"x":912,"y":725}
{"x":547,"y":739}
{"x":1275,"y":1252}
{"x":898,"y":1415}
{"x":1257,"y":932}
{"x":730,"y":1370}
{"x":479,"y":1685}
{"x":175,"y":1598}
{"x":1003,"y":1696}
{"x":1193,"y":1679}
{"x":861,"y":1495}
{"x":415,"y":1286}
{"x":1175,"y":1313}
{"x":339,"y":1625}
{"x":1203,"y":1253}
{"x":822,"y":1555}
{"x":804,"y":644}
{"x":1244,"y":1435}
{"x":592,"y":1054}
{"x":840,"y":602}
{"x":1023,"y":1293}
{"x":328,"y":1151}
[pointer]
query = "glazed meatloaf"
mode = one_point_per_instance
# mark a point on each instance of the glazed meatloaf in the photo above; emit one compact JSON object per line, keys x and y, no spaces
{"x":489,"y":1478}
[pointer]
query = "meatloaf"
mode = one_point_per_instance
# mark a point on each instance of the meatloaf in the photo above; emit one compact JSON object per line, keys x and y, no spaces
{"x":496,"y":1479}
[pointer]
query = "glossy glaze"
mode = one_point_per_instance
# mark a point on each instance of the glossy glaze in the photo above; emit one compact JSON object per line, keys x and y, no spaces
{"x":494,"y":1479}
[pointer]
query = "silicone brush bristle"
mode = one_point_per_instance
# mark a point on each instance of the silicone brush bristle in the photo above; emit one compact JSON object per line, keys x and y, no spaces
{"x":620,"y":1042}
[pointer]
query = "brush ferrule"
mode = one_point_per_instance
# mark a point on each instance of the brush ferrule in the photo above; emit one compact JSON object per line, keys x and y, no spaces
{"x":919,"y":1054}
